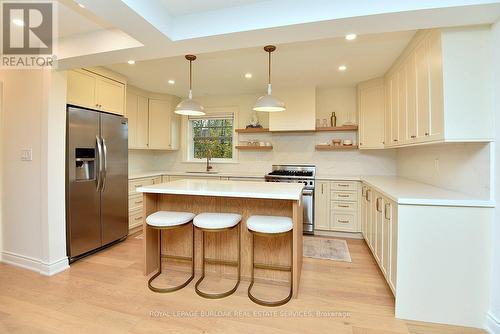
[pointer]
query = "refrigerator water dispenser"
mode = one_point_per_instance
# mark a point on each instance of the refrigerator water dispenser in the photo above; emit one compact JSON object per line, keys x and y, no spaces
{"x":85,"y":164}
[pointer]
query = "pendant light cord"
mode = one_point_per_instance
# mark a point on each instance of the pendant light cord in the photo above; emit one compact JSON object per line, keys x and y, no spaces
{"x":269,"y":74}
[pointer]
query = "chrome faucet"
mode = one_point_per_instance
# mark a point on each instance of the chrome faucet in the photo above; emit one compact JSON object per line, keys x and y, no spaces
{"x":209,"y":157}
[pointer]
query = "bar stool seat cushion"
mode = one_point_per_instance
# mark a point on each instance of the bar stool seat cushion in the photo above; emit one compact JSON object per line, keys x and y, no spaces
{"x":169,"y":218}
{"x":215,"y":221}
{"x":269,"y":224}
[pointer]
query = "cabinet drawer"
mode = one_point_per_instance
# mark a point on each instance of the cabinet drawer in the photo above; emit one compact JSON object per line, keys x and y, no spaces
{"x":134,"y":184}
{"x":135,"y":219}
{"x":343,"y":185}
{"x":351,"y":196}
{"x":344,"y":222}
{"x":344,"y":206}
{"x":135,"y":202}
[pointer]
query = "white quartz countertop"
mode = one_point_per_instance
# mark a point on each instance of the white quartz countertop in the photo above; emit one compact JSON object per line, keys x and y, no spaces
{"x":223,"y":188}
{"x":407,"y":192}
{"x":140,"y":175}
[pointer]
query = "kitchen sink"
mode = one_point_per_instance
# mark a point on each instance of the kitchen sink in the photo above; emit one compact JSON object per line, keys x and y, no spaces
{"x":202,"y":172}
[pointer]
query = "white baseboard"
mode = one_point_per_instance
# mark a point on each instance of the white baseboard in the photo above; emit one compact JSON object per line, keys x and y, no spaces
{"x":350,"y":235}
{"x":26,"y":262}
{"x":492,"y":324}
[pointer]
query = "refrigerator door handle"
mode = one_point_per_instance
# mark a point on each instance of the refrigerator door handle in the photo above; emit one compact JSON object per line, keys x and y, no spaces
{"x":100,"y":157}
{"x":105,"y":171}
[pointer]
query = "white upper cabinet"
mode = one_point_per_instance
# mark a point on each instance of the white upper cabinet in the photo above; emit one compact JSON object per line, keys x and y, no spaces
{"x":300,"y":113}
{"x":95,"y":91}
{"x":439,"y":89}
{"x":371,"y":114}
{"x":138,"y":120}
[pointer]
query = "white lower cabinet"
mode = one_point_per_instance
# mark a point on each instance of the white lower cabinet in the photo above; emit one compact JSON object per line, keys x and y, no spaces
{"x":135,"y":201}
{"x":379,"y":222}
{"x":336,"y":206}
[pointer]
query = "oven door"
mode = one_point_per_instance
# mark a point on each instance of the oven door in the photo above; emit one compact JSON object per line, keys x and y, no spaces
{"x":308,"y":204}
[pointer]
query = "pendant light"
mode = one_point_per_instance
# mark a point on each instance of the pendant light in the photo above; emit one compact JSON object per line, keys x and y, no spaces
{"x":190,"y":107}
{"x":269,"y":103}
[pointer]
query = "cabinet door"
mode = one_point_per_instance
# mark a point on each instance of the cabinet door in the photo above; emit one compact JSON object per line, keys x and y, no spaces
{"x":386,"y":239}
{"x":402,"y":106}
{"x":142,"y":136}
{"x":388,"y":112}
{"x":411,"y":99}
{"x":436,"y":87}
{"x":131,"y":114}
{"x":371,"y":114}
{"x":393,"y":263}
{"x":371,"y":219}
{"x":379,"y":220}
{"x":110,"y":96}
{"x":365,"y":212}
{"x":322,"y":205}
{"x":81,"y":89}
{"x":160,"y":115}
{"x":423,"y":107}
{"x":395,"y":108}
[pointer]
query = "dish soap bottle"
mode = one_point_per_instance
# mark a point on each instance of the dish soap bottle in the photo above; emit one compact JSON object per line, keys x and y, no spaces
{"x":333,"y":119}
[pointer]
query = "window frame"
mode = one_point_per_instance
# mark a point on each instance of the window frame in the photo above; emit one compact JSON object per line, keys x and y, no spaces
{"x":190,"y":142}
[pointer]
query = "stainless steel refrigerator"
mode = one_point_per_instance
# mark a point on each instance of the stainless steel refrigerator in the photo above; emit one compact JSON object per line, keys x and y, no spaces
{"x":96,"y":181}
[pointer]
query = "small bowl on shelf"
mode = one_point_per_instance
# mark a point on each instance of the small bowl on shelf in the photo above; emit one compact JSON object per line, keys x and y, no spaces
{"x":336,"y":142}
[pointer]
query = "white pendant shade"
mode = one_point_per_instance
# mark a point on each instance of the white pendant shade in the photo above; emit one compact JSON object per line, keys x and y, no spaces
{"x":269,"y":103}
{"x":189,"y":108}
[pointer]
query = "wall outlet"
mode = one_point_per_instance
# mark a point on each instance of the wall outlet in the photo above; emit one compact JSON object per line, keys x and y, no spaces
{"x":27,"y":155}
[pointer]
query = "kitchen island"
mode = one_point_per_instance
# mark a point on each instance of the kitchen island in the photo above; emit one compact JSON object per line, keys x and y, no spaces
{"x":244,"y":198}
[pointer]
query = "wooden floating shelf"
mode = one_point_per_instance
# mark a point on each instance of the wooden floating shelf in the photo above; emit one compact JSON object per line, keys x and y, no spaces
{"x":339,"y":128}
{"x":252,"y":130}
{"x":266,"y":130}
{"x":254,"y":148}
{"x":335,"y":148}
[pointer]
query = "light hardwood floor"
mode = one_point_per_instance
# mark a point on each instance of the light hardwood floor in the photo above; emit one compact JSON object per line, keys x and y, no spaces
{"x":107,"y":293}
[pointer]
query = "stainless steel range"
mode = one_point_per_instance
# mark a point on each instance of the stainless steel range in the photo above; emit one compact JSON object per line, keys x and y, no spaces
{"x":299,"y":174}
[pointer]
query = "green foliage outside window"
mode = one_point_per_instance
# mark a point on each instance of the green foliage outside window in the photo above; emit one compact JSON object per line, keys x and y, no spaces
{"x":215,"y":135}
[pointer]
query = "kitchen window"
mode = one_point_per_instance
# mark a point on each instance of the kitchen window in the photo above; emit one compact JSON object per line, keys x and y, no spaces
{"x":211,"y":134}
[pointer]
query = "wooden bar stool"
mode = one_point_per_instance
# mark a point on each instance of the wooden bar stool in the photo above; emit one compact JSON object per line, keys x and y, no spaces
{"x":170,"y":220}
{"x":213,"y":223}
{"x":270,"y":226}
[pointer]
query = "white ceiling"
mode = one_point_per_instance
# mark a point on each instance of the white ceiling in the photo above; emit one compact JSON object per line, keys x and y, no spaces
{"x":73,"y":20}
{"x":142,"y":30}
{"x":304,"y":64}
{"x":184,"y":7}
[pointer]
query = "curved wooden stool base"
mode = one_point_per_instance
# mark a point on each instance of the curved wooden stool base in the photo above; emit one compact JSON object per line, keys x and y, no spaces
{"x":269,"y":267}
{"x":215,"y":261}
{"x":179,"y":258}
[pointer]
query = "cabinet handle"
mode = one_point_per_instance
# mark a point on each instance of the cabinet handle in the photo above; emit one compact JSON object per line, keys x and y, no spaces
{"x":138,"y":202}
{"x":343,"y":196}
{"x":342,"y":185}
{"x":394,"y":140}
{"x":138,"y":218}
{"x":322,"y":188}
{"x":413,"y":136}
{"x":138,"y":186}
{"x":387,"y":205}
{"x":368,"y":192}
{"x":360,"y":144}
{"x":363,"y":191}
{"x":343,"y":206}
{"x":343,"y":221}
{"x":383,"y":142}
{"x":378,"y":204}
{"x":427,"y":133}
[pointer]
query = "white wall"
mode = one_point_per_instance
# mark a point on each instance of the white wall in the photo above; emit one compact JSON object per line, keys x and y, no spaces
{"x":462,"y":167}
{"x":494,"y":314}
{"x":288,"y":148}
{"x":33,"y":228}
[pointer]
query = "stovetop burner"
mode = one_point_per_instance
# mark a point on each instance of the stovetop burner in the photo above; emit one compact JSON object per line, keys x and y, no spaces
{"x":296,"y":173}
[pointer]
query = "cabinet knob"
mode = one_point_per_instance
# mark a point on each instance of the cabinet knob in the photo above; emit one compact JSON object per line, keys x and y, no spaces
{"x":427,"y":133}
{"x":394,"y":140}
